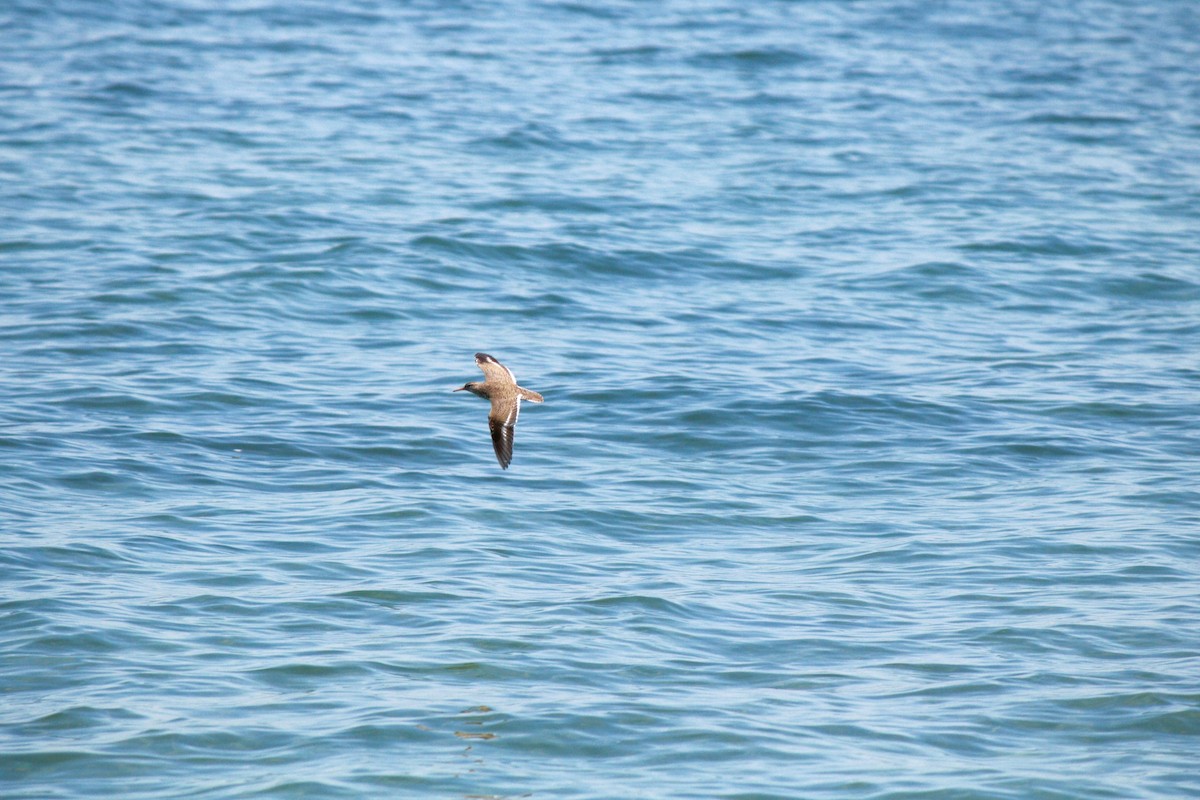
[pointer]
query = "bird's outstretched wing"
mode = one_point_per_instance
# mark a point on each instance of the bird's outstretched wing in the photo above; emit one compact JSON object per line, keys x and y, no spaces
{"x":493,"y":369}
{"x":503,"y":423}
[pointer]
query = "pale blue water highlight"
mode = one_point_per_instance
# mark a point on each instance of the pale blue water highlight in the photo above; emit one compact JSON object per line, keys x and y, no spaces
{"x":869,"y":460}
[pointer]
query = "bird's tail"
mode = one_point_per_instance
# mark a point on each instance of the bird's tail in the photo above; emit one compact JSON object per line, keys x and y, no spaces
{"x":527,"y":394}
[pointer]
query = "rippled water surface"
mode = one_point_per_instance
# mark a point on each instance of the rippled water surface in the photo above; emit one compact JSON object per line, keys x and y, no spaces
{"x":869,"y":461}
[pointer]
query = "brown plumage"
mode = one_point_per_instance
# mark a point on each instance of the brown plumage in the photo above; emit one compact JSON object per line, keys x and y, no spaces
{"x":500,"y":387}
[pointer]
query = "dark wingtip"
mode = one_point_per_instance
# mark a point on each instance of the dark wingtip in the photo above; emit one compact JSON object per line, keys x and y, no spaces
{"x":485,"y":357}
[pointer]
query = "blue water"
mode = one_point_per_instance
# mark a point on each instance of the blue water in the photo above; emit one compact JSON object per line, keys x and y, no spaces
{"x":869,"y":465}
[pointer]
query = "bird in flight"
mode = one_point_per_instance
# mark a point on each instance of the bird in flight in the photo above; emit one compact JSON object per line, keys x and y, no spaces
{"x":500,"y":387}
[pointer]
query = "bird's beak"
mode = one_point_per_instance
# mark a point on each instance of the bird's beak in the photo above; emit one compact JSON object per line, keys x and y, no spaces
{"x":459,"y":389}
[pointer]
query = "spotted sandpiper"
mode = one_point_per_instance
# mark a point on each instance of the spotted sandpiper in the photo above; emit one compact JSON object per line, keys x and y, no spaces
{"x":500,"y":387}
